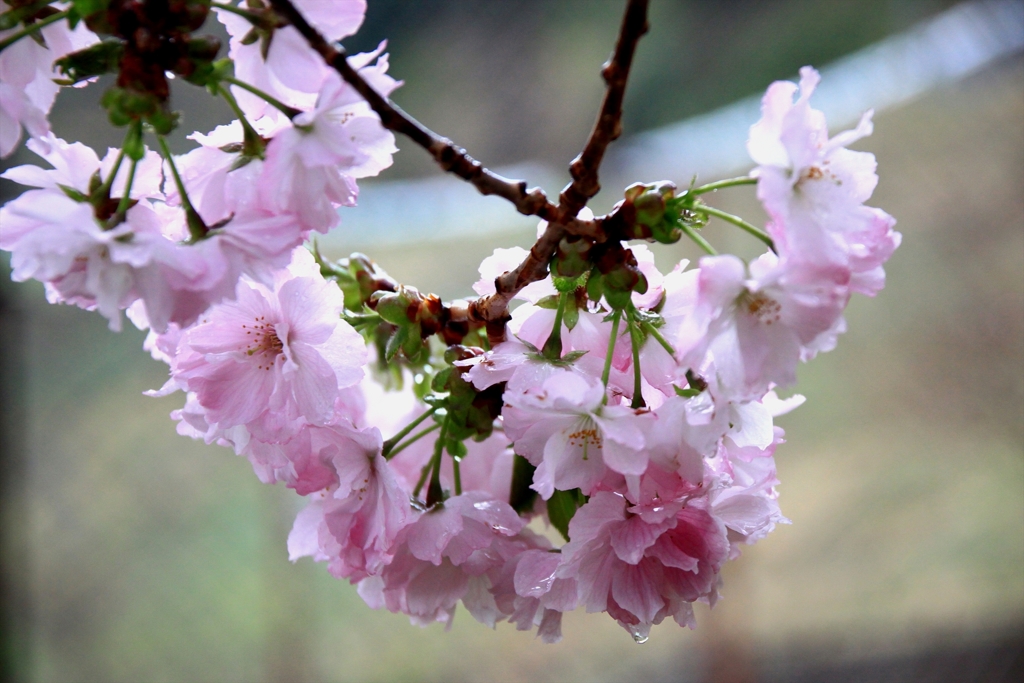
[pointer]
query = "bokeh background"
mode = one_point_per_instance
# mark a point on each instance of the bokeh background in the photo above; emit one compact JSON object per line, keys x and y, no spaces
{"x":132,"y":554}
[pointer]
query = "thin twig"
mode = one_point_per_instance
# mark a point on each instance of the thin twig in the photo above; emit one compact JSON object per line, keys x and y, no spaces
{"x":720,"y":184}
{"x":608,"y":126}
{"x":584,"y":171}
{"x":533,"y":202}
{"x":449,"y":156}
{"x":738,"y":222}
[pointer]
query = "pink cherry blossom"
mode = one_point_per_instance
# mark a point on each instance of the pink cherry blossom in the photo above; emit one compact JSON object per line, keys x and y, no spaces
{"x":312,"y":167}
{"x":684,"y":432}
{"x":274,"y":358}
{"x":450,"y":553}
{"x":291,"y":72}
{"x":57,"y":239}
{"x":641,"y":571}
{"x":531,"y":594}
{"x":563,"y":427}
{"x":755,"y":330}
{"x":745,"y":499}
{"x":95,"y":263}
{"x":353,"y":523}
{"x":27,"y":90}
{"x":814,"y":188}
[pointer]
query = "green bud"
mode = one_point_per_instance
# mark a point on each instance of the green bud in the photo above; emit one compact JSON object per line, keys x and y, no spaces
{"x":394,"y":306}
{"x":441,"y":379}
{"x":133,"y":146}
{"x":656,"y":216}
{"x":567,"y":284}
{"x":163,"y":120}
{"x":617,"y":298}
{"x":572,"y":258}
{"x":415,"y":349}
{"x":456,"y":448}
{"x":595,"y":286}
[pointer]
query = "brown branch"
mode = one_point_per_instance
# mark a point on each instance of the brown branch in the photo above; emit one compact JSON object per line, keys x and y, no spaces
{"x":450,"y":157}
{"x":583,"y":169}
{"x":608,"y":126}
{"x":493,"y":310}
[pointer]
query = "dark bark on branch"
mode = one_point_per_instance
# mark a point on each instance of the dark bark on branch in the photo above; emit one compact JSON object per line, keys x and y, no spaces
{"x":493,"y":310}
{"x":584,"y":171}
{"x":450,"y":157}
{"x":608,"y":126}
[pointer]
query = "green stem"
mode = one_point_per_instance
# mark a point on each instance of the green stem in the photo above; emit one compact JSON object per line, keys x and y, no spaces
{"x":32,"y":28}
{"x":738,"y":222}
{"x":109,"y":182}
{"x":553,"y":346}
{"x":634,"y":340}
{"x":611,"y":350}
{"x":412,"y":439}
{"x":434,"y":492}
{"x":122,"y":206}
{"x":290,"y":112}
{"x":719,"y":184}
{"x":458,"y":476}
{"x":653,"y":331}
{"x":253,"y":141}
{"x":699,"y":239}
{"x":196,"y":227}
{"x":393,"y":441}
{"x":423,"y":478}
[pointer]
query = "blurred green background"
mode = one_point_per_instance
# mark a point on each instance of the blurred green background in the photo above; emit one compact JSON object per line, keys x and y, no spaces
{"x":132,"y":554}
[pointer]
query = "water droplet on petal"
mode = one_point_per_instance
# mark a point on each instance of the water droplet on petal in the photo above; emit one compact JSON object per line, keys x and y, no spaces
{"x":639,"y":637}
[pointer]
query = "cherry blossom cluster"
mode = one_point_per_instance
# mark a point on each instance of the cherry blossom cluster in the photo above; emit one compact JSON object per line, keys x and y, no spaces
{"x":175,"y":233}
{"x":607,"y":444}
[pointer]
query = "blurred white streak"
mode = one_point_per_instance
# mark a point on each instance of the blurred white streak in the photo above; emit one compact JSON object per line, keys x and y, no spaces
{"x":945,"y":48}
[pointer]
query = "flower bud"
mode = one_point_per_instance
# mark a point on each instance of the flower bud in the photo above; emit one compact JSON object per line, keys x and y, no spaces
{"x":653,"y":217}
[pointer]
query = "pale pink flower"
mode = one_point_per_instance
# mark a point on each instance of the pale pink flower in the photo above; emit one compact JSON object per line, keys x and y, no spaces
{"x":498,"y":365}
{"x":274,"y":358}
{"x":85,"y":261}
{"x":684,"y":432}
{"x":451,"y":553}
{"x":312,"y":166}
{"x":869,"y":249}
{"x":27,"y":90}
{"x":58,"y":240}
{"x":745,"y":499}
{"x":17,"y":111}
{"x":354,"y":522}
{"x":752,"y":332}
{"x":562,"y":426}
{"x":292,"y":72}
{"x":531,"y":594}
{"x":814,"y":188}
{"x":655,"y":279}
{"x":641,"y":571}
{"x":253,"y":235}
